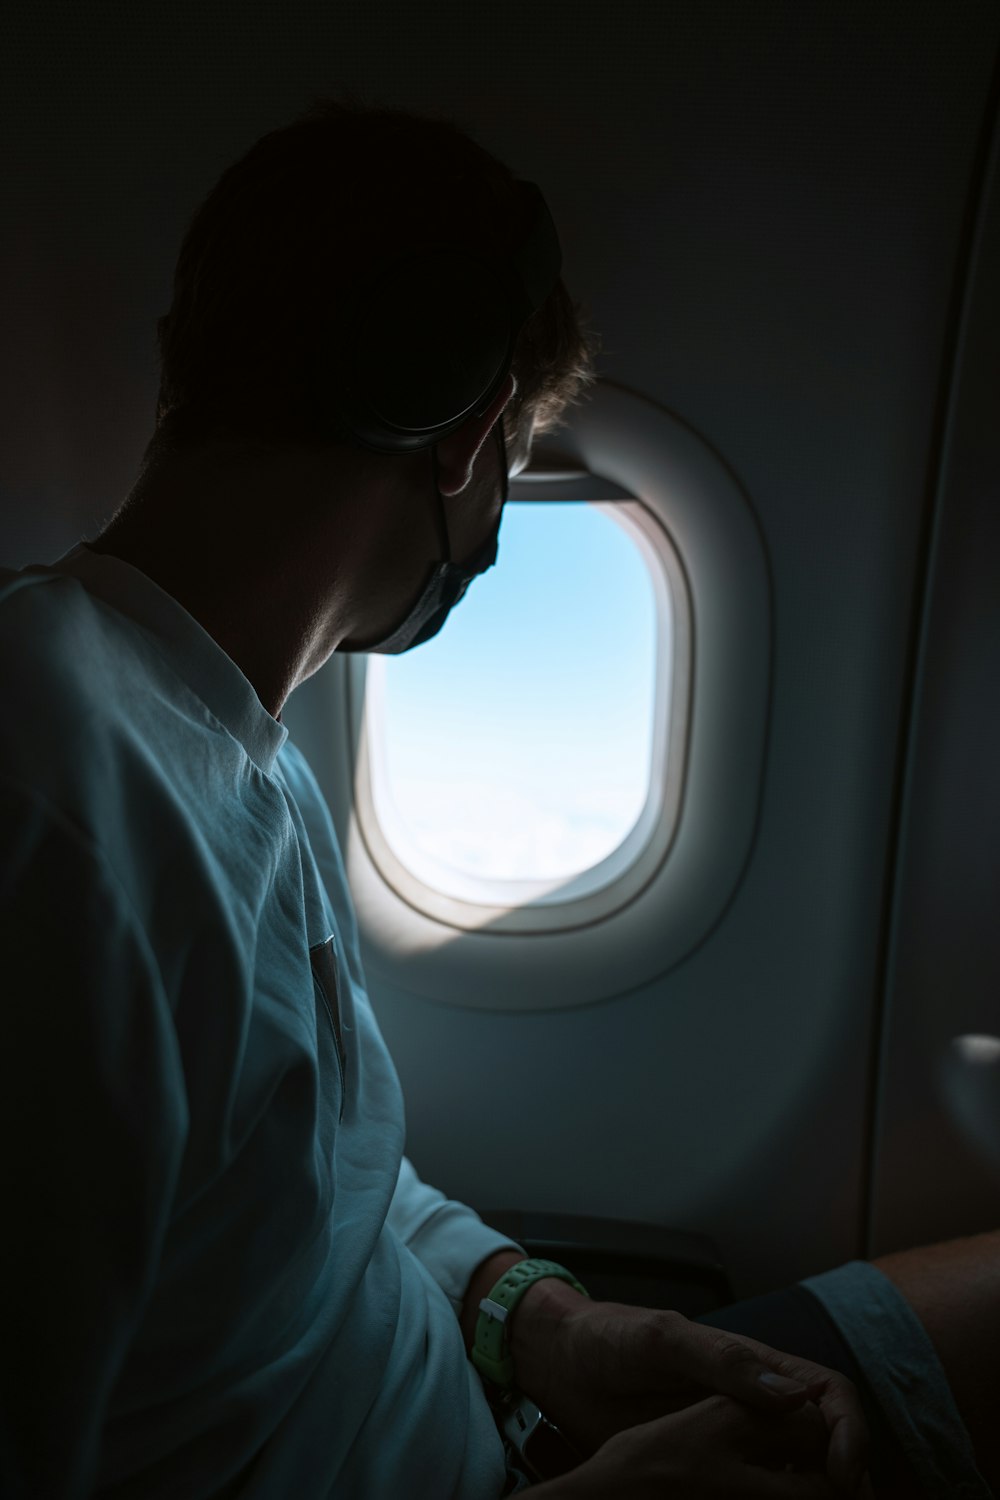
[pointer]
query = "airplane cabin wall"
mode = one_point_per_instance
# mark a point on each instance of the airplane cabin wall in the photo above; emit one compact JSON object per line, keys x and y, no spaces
{"x":765,"y":210}
{"x":937,"y":1146}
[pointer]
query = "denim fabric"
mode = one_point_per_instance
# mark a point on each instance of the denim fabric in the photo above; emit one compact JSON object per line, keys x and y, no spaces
{"x":891,"y":1346}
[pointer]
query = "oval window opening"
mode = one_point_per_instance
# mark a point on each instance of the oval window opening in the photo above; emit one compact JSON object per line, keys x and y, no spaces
{"x":516,"y":746}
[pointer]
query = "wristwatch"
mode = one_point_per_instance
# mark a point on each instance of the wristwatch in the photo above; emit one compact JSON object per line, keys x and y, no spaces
{"x":491,"y":1347}
{"x":538,"y":1446}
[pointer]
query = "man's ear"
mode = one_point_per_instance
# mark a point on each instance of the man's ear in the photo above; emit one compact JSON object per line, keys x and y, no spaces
{"x":456,"y":453}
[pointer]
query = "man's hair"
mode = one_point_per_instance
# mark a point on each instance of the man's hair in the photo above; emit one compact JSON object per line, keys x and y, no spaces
{"x":276,"y":251}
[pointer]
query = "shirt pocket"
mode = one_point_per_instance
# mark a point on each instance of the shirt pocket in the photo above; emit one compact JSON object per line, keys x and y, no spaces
{"x":330,"y":1026}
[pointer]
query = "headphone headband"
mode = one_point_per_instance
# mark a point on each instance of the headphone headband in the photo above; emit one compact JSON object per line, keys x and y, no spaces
{"x":431,"y":336}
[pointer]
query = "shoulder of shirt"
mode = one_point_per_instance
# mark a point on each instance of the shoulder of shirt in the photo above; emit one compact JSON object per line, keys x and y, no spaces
{"x":41,"y":596}
{"x":49,"y":626}
{"x":30,"y":582}
{"x":72,"y":670}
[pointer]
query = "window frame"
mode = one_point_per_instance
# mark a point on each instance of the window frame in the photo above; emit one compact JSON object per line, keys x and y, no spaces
{"x":562,"y":904}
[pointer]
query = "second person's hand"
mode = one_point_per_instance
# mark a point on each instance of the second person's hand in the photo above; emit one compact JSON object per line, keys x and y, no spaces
{"x":717,"y":1449}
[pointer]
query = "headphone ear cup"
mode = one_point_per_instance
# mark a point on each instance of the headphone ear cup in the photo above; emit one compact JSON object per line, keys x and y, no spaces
{"x":431,"y":339}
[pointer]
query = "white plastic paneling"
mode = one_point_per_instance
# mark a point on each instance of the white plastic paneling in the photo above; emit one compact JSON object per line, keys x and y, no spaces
{"x":939,"y":1115}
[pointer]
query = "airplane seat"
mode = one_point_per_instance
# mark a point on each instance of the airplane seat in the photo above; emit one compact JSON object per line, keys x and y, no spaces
{"x":643,"y":1265}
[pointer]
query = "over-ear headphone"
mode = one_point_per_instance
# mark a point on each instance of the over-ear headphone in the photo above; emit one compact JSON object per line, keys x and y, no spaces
{"x":431,"y":336}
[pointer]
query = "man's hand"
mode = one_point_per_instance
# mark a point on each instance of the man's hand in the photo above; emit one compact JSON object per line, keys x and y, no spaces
{"x":717,"y":1449}
{"x":599,"y":1368}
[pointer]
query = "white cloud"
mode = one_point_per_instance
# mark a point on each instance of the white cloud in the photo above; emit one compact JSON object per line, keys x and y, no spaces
{"x":508,"y":834}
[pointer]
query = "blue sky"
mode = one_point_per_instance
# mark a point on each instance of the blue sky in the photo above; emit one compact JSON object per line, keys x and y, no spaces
{"x":517,"y":742}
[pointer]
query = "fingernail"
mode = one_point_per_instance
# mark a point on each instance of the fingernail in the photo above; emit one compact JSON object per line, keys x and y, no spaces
{"x":780,"y":1385}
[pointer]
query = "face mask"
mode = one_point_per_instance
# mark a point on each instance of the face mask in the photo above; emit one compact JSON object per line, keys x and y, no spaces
{"x":448,"y":581}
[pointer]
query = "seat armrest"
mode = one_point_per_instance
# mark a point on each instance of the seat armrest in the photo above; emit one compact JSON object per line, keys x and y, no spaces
{"x":644,"y":1265}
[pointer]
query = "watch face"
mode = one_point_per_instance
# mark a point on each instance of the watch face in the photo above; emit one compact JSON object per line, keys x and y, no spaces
{"x":548,"y":1453}
{"x":540,"y":1446}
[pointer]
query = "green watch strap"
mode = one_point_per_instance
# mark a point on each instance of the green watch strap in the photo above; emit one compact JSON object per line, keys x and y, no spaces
{"x":491,"y":1348}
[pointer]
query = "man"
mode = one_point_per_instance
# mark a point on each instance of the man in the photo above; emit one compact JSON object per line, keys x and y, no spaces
{"x":222,"y":1277}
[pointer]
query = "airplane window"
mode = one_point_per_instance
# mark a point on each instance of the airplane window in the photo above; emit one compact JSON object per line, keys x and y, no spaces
{"x":517,"y":744}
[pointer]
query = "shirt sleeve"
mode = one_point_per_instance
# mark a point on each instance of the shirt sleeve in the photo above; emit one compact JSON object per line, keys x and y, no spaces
{"x":448,"y":1238}
{"x":93,"y":1120}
